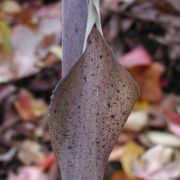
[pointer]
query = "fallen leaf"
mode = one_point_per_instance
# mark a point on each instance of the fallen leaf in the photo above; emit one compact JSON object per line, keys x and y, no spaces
{"x":173,"y":116}
{"x":47,"y":163}
{"x":163,"y":138}
{"x":6,"y":90}
{"x":31,"y":153}
{"x":116,"y":153}
{"x":168,"y":107}
{"x":168,"y":172}
{"x":130,"y":157}
{"x":8,"y":155}
{"x":57,"y":51}
{"x":146,"y":73}
{"x":25,"y":42}
{"x":141,"y":105}
{"x":11,"y":7}
{"x":136,"y":121}
{"x":136,"y":57}
{"x":125,"y":137}
{"x":119,"y":175}
{"x":174,"y":128}
{"x":28,"y":173}
{"x":157,"y":164}
{"x":156,"y":157}
{"x":149,"y":81}
{"x":29,"y":108}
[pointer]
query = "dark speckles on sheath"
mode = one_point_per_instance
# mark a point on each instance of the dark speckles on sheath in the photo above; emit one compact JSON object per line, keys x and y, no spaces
{"x":112,"y":116}
{"x":88,"y":109}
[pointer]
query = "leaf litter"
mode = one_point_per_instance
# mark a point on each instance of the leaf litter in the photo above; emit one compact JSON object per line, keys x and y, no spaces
{"x":144,"y":38}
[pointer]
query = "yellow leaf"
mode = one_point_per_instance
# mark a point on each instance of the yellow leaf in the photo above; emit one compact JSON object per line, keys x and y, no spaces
{"x":129,"y":158}
{"x":39,"y":107}
{"x":57,"y":51}
{"x":141,"y":105}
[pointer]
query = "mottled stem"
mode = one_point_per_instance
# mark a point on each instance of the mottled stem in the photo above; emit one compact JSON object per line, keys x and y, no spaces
{"x":74,"y":19}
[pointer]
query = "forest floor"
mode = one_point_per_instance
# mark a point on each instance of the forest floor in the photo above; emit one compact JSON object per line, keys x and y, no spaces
{"x":145,"y":38}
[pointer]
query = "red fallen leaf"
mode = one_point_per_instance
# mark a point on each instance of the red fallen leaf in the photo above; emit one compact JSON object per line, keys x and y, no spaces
{"x":137,"y":57}
{"x":29,"y":108}
{"x":146,"y":73}
{"x":173,"y":117}
{"x":47,"y":163}
{"x":23,"y":105}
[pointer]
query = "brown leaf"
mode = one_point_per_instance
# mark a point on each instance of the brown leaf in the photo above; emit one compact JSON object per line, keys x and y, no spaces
{"x":29,"y":108}
{"x":149,"y":81}
{"x":119,"y":175}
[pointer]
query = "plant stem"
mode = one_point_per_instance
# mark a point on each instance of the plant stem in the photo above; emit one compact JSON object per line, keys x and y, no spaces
{"x":74,"y":19}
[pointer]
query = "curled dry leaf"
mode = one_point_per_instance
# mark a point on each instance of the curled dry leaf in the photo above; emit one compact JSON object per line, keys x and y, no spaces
{"x":88,"y":110}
